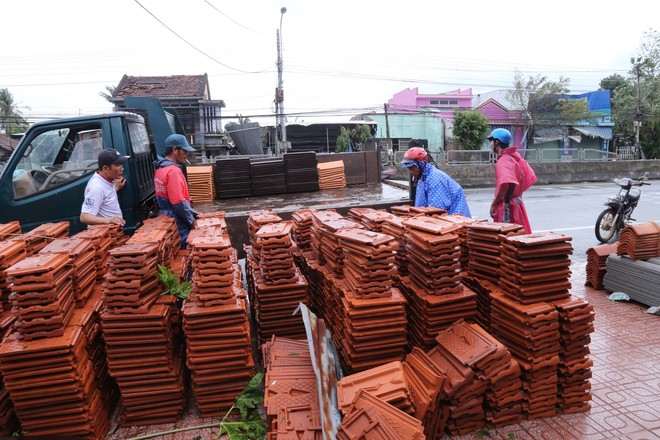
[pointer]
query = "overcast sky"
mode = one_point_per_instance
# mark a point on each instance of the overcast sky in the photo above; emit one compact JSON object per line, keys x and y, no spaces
{"x":339,"y":56}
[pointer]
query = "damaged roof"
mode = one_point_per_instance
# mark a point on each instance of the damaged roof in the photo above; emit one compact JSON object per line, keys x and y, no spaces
{"x":179,"y":86}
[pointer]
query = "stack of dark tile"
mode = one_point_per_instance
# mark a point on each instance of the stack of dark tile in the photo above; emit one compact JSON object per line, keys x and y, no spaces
{"x":232,"y":177}
{"x":466,"y":345}
{"x":371,"y":417}
{"x":267,"y":176}
{"x":52,"y":385}
{"x":276,"y":286}
{"x":597,"y":263}
{"x":576,"y":317}
{"x":143,"y":345}
{"x":301,"y":172}
{"x":81,"y":261}
{"x":215,"y":322}
{"x":482,"y":288}
{"x":290,"y":396}
{"x":640,"y":242}
{"x":483,"y":242}
{"x":436,"y":297}
{"x":302,"y":228}
{"x":43,"y":234}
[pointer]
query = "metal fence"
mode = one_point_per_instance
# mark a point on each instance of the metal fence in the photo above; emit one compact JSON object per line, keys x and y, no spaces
{"x":545,"y":155}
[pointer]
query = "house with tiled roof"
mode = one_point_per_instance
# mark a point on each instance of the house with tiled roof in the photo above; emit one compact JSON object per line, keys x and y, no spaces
{"x":7,"y":145}
{"x":189,"y":95}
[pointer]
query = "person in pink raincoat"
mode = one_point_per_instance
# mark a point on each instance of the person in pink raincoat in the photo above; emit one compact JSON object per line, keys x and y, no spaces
{"x":513,"y":176}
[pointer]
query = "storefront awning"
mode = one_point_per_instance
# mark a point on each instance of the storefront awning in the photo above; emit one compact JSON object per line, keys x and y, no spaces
{"x":593,"y":131}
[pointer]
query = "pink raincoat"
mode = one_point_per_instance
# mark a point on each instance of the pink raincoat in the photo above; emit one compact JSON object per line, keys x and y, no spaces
{"x":512,"y":168}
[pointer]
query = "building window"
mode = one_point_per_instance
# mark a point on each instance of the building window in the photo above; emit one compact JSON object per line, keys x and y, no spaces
{"x":443,"y":102}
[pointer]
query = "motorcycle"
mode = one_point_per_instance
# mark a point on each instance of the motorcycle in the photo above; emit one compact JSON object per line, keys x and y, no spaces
{"x":619,"y":208}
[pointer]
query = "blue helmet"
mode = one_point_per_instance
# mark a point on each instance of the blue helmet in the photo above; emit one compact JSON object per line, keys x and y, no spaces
{"x":501,"y":135}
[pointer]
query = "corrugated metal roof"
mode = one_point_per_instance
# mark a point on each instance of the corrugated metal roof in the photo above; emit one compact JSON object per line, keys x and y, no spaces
{"x":593,"y":131}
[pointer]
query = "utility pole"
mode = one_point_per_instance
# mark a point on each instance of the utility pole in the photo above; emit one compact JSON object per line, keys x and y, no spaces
{"x":279,"y":91}
{"x":387,"y":130}
{"x":638,"y":116}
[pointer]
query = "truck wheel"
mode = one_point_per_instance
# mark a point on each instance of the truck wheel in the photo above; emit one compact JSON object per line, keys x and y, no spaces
{"x":605,"y":227}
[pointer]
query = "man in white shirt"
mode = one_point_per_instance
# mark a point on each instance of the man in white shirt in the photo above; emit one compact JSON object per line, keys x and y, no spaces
{"x":101,"y":205}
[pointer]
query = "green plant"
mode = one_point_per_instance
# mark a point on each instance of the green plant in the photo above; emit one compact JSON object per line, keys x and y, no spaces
{"x":251,"y":426}
{"x":171,"y":283}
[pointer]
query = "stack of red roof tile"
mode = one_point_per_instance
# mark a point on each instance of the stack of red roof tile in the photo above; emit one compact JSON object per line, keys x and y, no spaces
{"x":302,"y":227}
{"x":640,"y":242}
{"x":429,"y":211}
{"x":43,"y":234}
{"x":482,"y":289}
{"x":371,"y":218}
{"x":433,"y":254}
{"x":143,"y":347}
{"x":483,"y":242}
{"x":51,"y":382}
{"x":42,"y":295}
{"x":9,"y":230}
{"x":394,"y":226}
{"x":531,"y":333}
{"x":325,"y":225}
{"x":468,"y":345}
{"x":81,"y":261}
{"x":433,"y":313}
{"x":597,"y":263}
{"x":371,"y":417}
{"x":144,"y":357}
{"x":161,"y":230}
{"x":275,"y":284}
{"x":386,"y":381}
{"x":576,"y":318}
{"x":536,"y":267}
{"x":290,"y":395}
{"x":427,"y":384}
{"x":462,"y":234}
{"x":368,"y":262}
{"x":102,"y":242}
{"x":8,"y":419}
{"x":402,"y":211}
{"x":215,"y":321}
{"x":11,"y":252}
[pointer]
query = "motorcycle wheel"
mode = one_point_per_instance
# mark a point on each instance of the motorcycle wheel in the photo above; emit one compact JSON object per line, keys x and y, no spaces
{"x":605,"y":227}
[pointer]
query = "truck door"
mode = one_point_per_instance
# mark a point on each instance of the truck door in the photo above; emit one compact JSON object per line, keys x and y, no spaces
{"x":45,"y":179}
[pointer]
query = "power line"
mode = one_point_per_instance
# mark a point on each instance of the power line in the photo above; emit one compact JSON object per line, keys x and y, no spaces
{"x":193,"y":46}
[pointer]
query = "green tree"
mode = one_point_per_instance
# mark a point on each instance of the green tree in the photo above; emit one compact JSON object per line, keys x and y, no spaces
{"x":470,"y":129}
{"x":545,"y":103}
{"x":109,"y":93}
{"x":637,"y":97}
{"x":354,"y":137}
{"x":11,"y":118}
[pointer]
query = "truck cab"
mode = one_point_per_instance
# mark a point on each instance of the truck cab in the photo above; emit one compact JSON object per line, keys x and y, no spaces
{"x":45,"y":178}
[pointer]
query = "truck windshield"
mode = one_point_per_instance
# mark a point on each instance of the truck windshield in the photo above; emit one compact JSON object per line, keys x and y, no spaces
{"x":56,"y":157}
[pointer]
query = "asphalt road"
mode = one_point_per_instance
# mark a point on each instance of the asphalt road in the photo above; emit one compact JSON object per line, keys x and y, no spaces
{"x":570,"y":209}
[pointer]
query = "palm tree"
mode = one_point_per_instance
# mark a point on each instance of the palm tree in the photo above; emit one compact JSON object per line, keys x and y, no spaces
{"x":11,"y":118}
{"x":110,"y":92}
